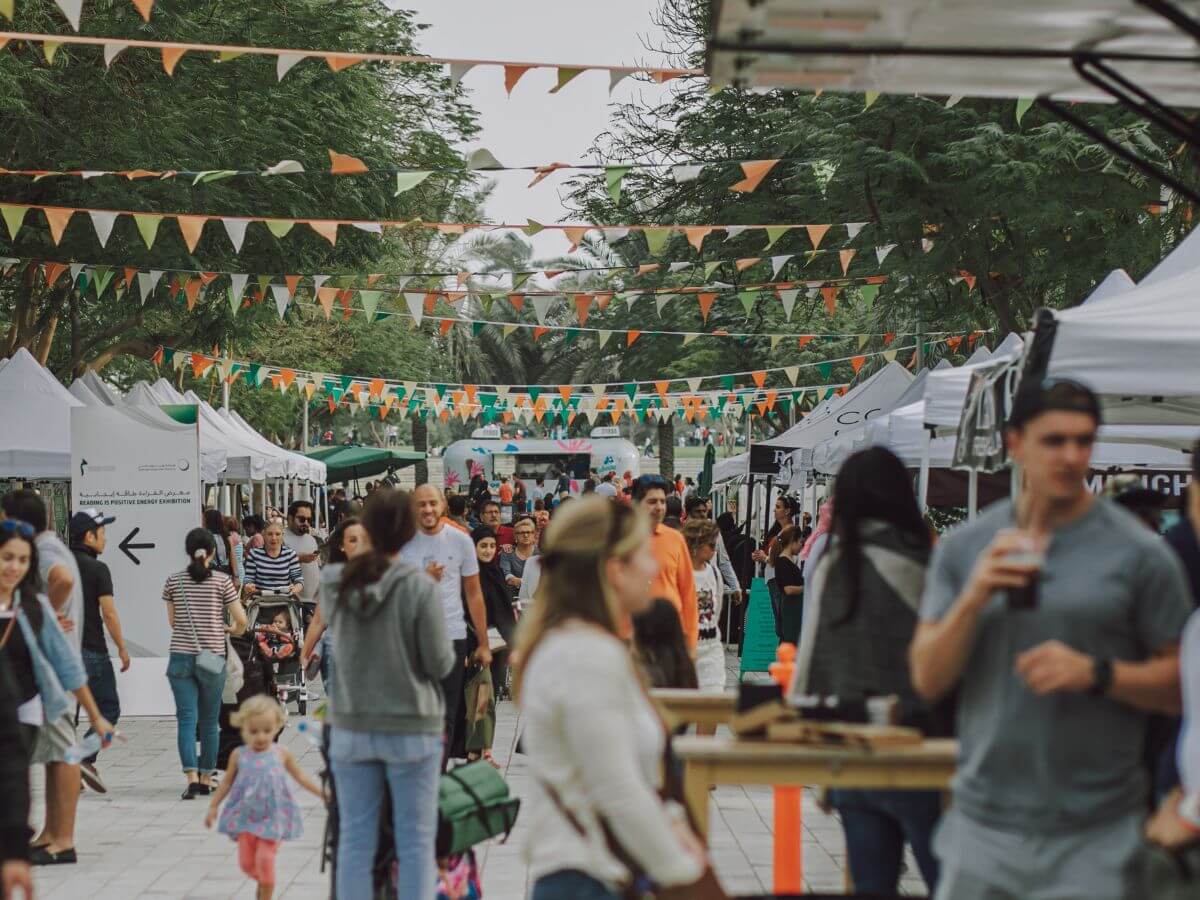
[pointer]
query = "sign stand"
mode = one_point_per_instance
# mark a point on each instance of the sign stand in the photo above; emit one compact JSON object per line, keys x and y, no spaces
{"x":759,"y":638}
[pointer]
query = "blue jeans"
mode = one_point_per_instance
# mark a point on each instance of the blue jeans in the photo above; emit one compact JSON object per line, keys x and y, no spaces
{"x":877,"y":824}
{"x":197,"y":705}
{"x":409,"y":764}
{"x":571,"y":884}
{"x":103,"y":683}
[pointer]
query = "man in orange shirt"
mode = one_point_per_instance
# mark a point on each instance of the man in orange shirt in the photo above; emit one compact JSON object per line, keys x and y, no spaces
{"x":674,"y":580}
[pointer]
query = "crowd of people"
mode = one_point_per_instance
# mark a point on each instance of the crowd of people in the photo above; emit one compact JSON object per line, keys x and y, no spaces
{"x":1045,"y":635}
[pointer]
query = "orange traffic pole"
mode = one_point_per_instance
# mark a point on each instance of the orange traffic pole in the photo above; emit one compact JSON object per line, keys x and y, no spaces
{"x":788,"y":858}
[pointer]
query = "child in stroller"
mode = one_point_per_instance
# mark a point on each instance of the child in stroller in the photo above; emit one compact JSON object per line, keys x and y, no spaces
{"x":278,"y":624}
{"x":275,"y":640}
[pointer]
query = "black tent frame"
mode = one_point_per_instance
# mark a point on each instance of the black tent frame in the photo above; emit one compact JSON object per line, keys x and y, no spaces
{"x":1093,"y":66}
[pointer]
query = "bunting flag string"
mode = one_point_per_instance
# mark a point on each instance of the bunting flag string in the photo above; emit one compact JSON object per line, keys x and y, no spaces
{"x":73,"y":9}
{"x":517,"y":277}
{"x":192,"y":225}
{"x":755,"y":379}
{"x":408,"y":177}
{"x":172,"y":52}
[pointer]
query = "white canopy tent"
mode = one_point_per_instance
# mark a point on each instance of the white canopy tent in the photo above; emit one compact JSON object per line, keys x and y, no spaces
{"x":36,"y":411}
{"x":298,"y":465}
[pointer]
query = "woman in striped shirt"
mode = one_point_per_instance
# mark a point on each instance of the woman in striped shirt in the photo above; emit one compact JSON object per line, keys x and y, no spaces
{"x":197,"y":599}
{"x":273,"y":568}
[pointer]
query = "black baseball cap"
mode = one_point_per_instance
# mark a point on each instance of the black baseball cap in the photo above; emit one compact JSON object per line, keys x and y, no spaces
{"x":89,"y":520}
{"x":1052,"y":395}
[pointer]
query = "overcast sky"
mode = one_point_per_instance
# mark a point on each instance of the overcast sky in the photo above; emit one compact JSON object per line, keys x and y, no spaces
{"x":533,"y":127}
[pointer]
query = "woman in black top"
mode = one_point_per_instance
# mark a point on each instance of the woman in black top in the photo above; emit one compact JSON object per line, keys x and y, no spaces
{"x":866,"y":592}
{"x":788,"y":582}
{"x":497,"y":600}
{"x":786,"y":510}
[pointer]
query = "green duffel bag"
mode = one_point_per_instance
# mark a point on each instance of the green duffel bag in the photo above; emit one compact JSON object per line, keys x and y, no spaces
{"x":474,"y":805}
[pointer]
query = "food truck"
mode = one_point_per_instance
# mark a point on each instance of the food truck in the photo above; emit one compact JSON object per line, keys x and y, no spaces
{"x":489,"y":453}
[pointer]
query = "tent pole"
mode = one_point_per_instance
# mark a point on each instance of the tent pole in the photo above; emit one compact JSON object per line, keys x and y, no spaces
{"x":923,"y":488}
{"x":972,"y":494}
{"x":304,"y":427}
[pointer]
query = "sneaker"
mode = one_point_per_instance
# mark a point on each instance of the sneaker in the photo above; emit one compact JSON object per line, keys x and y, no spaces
{"x":191,"y":792}
{"x":92,"y":778}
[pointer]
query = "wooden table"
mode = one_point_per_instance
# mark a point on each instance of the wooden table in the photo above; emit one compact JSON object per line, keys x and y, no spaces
{"x":723,"y":760}
{"x":680,"y":706}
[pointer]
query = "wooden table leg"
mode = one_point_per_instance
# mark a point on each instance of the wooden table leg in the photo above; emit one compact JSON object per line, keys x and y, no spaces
{"x":696,"y":780}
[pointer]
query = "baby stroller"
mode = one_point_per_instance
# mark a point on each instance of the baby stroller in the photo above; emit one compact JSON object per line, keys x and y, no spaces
{"x":277,"y":624}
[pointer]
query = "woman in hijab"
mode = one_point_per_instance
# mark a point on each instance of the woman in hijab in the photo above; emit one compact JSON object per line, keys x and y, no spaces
{"x":480,"y":706}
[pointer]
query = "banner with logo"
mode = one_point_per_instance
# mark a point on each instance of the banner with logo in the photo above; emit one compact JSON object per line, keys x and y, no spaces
{"x":142,"y":466}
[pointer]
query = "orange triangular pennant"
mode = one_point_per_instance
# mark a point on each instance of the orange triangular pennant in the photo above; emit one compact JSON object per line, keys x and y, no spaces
{"x":968,"y":278}
{"x":326,"y":296}
{"x":53,"y":272}
{"x":575,"y":235}
{"x":815,"y":233}
{"x":743,"y":264}
{"x":806,"y":339}
{"x":292,"y":282}
{"x":517,"y":301}
{"x":444,"y":326}
{"x":760,"y":378}
{"x":430,"y":301}
{"x":191,"y":227}
{"x":845,"y":256}
{"x":341,"y":164}
{"x":830,"y":294}
{"x":755,"y":171}
{"x":583,"y":303}
{"x":375,"y":387}
{"x":144,"y":7}
{"x":538,"y":332}
{"x":339,"y":61}
{"x":287,"y":376}
{"x":662,"y":387}
{"x":696,"y":235}
{"x":888,"y":338}
{"x":856,"y":362}
{"x":171,"y":57}
{"x":325,"y":229}
{"x":954,"y":343}
{"x":58,"y":219}
{"x":706,"y":302}
{"x":564,"y":391}
{"x":631,"y":336}
{"x":129,"y":276}
{"x":647,"y":267}
{"x":192,"y":290}
{"x":199,"y":364}
{"x":512,"y":74}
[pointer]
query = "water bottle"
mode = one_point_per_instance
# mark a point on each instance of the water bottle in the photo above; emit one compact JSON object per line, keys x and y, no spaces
{"x":76,"y":754}
{"x":311,"y":730}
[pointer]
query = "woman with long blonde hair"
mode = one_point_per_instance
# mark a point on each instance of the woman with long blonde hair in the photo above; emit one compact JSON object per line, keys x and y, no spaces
{"x":593,"y":737}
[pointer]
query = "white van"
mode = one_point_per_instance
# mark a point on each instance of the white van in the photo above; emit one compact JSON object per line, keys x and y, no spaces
{"x":491,"y":454}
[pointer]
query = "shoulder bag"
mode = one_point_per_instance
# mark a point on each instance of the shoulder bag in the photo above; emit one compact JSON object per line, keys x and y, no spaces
{"x":206,"y":661}
{"x":641,"y":887}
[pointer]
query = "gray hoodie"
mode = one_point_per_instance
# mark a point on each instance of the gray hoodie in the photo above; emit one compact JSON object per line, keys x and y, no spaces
{"x":392,"y":652}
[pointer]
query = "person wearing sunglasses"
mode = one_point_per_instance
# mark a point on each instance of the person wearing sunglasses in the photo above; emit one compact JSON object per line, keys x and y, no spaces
{"x":298,"y":537}
{"x":1058,"y":618}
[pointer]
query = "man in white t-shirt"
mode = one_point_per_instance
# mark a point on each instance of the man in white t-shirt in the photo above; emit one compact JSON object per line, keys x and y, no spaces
{"x":606,"y":488}
{"x":298,"y":536}
{"x":447,"y":555}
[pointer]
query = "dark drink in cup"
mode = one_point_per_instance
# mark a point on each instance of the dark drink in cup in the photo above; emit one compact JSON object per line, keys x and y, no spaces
{"x":1026,"y":598}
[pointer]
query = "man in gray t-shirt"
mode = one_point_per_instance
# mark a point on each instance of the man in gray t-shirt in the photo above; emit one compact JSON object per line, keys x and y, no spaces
{"x":1054,"y":688}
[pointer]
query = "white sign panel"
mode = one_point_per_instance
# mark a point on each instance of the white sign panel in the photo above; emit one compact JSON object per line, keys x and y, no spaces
{"x":142,"y":466}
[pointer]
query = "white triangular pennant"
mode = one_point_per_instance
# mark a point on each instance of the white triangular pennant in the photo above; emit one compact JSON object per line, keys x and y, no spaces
{"x":483,"y":159}
{"x":598,"y":389}
{"x":236,"y":229}
{"x":284,"y":63}
{"x":111,"y":52}
{"x":792,"y":373}
{"x":630,"y":297}
{"x":694,"y":384}
{"x":661,"y":300}
{"x":103,"y":223}
{"x":237,"y":286}
{"x":458,"y":70}
{"x":853,"y":228}
{"x":732,"y":231}
{"x":416,"y":305}
{"x":76,"y":268}
{"x":612,"y":235}
{"x":881,"y":253}
{"x":788,"y":298}
{"x":71,"y":9}
{"x":147,"y":282}
{"x":679,"y":266}
{"x":778,"y":262}
{"x":284,"y":167}
{"x":282,"y":298}
{"x":615,"y":77}
{"x":541,"y":305}
{"x":603,"y":336}
{"x":318,"y":281}
{"x":684,"y":174}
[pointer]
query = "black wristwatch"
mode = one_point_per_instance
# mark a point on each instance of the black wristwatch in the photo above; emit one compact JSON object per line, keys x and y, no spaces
{"x":1102,"y":676}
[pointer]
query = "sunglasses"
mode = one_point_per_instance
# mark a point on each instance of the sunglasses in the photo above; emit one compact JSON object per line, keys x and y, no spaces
{"x":16,"y":526}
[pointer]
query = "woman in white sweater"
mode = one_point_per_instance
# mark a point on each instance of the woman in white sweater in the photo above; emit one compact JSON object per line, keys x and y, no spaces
{"x":594,"y":741}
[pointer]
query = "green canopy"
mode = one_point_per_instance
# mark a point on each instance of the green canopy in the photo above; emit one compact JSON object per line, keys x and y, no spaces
{"x":346,"y":462}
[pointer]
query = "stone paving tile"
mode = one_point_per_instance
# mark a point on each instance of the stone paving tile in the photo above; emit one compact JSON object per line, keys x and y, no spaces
{"x":141,"y":841}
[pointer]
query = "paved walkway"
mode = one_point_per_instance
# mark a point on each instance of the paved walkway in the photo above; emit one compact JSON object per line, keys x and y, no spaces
{"x":141,"y":840}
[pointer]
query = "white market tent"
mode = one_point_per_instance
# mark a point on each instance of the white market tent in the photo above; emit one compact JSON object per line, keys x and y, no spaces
{"x":36,"y":411}
{"x":1018,"y":48}
{"x":299,"y":465}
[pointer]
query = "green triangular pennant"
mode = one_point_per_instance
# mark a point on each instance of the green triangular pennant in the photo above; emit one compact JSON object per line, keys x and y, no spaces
{"x":613,"y":176}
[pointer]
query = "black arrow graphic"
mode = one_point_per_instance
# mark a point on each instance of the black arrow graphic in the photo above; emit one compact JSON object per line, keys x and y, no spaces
{"x":125,"y":546}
